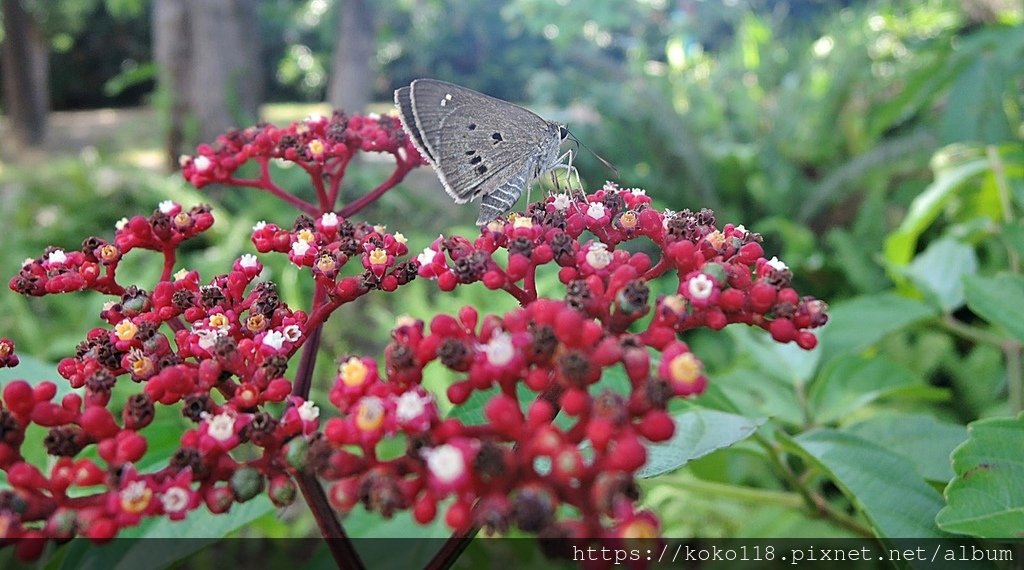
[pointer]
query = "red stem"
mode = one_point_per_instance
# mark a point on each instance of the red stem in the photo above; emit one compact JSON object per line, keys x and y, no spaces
{"x":341,"y":548}
{"x":659,"y":268}
{"x":401,"y":169}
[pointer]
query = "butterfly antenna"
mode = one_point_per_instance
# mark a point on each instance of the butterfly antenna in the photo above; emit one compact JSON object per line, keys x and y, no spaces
{"x":607,"y":164}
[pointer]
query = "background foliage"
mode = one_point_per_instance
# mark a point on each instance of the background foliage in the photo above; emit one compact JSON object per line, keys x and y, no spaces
{"x":876,"y":144}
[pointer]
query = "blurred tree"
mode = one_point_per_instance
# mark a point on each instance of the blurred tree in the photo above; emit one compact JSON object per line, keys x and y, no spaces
{"x":209,"y":66}
{"x":351,"y":74}
{"x":25,"y":58}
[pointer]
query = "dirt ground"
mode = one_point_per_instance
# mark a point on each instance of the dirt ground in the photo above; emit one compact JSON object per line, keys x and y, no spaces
{"x":71,"y":132}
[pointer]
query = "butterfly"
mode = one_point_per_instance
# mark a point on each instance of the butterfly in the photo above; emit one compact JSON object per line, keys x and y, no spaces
{"x":480,"y":146}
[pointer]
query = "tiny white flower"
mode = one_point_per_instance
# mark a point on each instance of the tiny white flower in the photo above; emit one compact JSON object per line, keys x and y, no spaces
{"x":638,"y":191}
{"x":400,"y":238}
{"x":777,"y":264}
{"x":667,"y":217}
{"x":380,"y":228}
{"x":445,"y":462}
{"x":315,"y":118}
{"x":292,"y":333}
{"x":259,"y":225}
{"x":610,"y":186}
{"x":741,"y":229}
{"x":596,"y":210}
{"x":121,"y":224}
{"x":373,"y":116}
{"x":410,"y":406}
{"x":274,"y":339}
{"x":166,"y":206}
{"x":308,"y":412}
{"x":28,"y":261}
{"x":248,"y":261}
{"x":329,"y":219}
{"x":180,"y":274}
{"x":220,"y":427}
{"x":183,"y":159}
{"x":300,"y":247}
{"x":561,"y":201}
{"x":174,"y":499}
{"x":427,"y":257}
{"x":598,"y":256}
{"x":57,"y":256}
{"x":700,"y":287}
{"x":208,"y":337}
{"x":134,"y":491}
{"x":202,"y":163}
{"x":500,"y":349}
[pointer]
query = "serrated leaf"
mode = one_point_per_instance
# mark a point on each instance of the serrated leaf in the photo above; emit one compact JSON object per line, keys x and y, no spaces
{"x":986,"y":498}
{"x":883,"y":485}
{"x":862,"y":321}
{"x":939,"y":271}
{"x":698,"y":433}
{"x":926,"y":441}
{"x":990,"y":297}
{"x":851,"y":381}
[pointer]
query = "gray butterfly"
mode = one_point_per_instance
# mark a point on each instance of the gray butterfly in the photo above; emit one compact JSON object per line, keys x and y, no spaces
{"x":479,"y":146}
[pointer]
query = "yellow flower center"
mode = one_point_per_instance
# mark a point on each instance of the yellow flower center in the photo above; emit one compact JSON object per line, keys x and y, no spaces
{"x":522,"y":222}
{"x":353,"y":372}
{"x":378,"y":257}
{"x":182,"y":220}
{"x":136,"y":497}
{"x":256,"y":323}
{"x":219,"y":321}
{"x":108,"y":253}
{"x":370,"y":415}
{"x":316,"y":147}
{"x":715,"y":238}
{"x":628,"y":220}
{"x":305,"y":235}
{"x":125,"y":330}
{"x":640,"y":529}
{"x":685,"y":368}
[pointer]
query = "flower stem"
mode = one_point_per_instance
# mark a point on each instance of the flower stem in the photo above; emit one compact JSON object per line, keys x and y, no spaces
{"x":401,"y":169}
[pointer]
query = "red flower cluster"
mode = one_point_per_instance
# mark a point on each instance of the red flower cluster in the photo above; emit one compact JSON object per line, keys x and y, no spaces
{"x":95,"y":265}
{"x":518,"y":468}
{"x":554,"y":404}
{"x":317,"y":143}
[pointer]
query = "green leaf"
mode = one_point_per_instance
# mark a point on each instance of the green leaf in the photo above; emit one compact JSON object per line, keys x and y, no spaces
{"x":926,"y":441}
{"x":756,"y":391}
{"x":697,"y":434}
{"x":851,"y":381}
{"x":201,"y":527}
{"x":862,"y":321}
{"x":990,"y":297}
{"x":986,"y":499}
{"x":901,"y":244}
{"x":881,"y":484}
{"x":939,"y":271}
{"x":786,"y":361}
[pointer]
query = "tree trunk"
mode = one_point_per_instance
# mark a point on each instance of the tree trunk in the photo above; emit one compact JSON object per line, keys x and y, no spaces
{"x":209,"y":58}
{"x":26,"y":70}
{"x":226,"y":90}
{"x":351,"y":75}
{"x":172,"y":46}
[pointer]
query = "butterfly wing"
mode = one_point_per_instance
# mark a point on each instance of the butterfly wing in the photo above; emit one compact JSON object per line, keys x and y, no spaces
{"x":477,"y":143}
{"x":403,"y":99}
